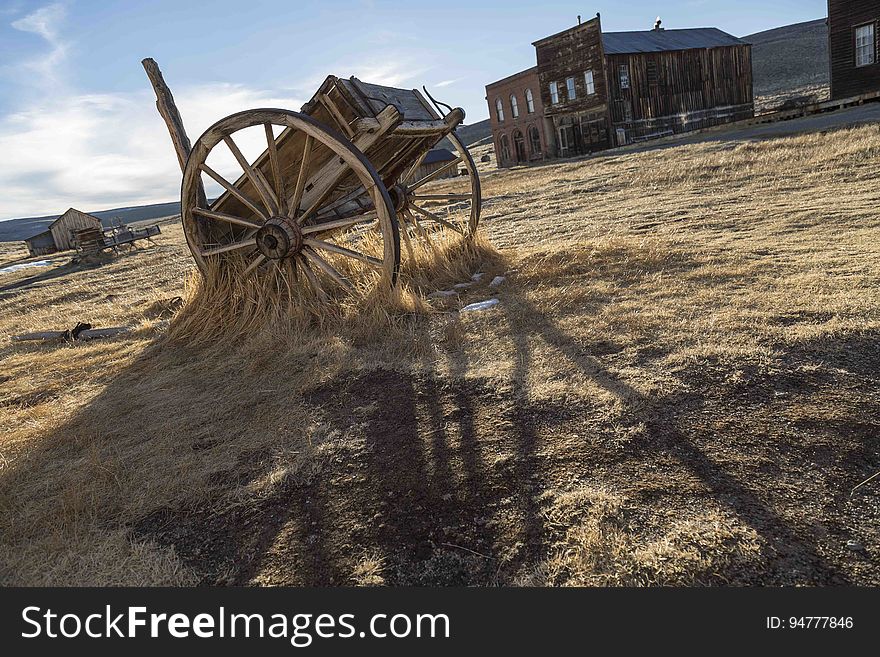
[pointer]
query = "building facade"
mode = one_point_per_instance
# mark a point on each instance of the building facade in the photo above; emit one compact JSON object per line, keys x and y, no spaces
{"x":64,"y":227}
{"x":516,"y":114}
{"x":601,"y":90}
{"x":853,"y":40}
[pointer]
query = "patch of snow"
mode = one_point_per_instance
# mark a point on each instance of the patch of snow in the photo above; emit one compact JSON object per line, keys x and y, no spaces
{"x":476,"y":278}
{"x":498,"y":280}
{"x":462,"y":286}
{"x":480,"y":305}
{"x":25,"y":265}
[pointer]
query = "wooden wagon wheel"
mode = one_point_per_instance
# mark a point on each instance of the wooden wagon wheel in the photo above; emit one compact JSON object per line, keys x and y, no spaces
{"x":283,"y":214}
{"x":422,"y":213}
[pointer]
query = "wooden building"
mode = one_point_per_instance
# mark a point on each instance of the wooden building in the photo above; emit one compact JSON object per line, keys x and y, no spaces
{"x":853,"y":33}
{"x":41,"y":243}
{"x":434,"y":160}
{"x":64,"y":227}
{"x":603,"y":89}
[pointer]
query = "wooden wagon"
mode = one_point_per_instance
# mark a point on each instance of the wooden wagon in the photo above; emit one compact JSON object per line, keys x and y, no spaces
{"x":332,"y":195}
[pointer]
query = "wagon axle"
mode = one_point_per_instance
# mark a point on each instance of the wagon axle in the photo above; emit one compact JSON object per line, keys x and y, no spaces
{"x":280,"y":237}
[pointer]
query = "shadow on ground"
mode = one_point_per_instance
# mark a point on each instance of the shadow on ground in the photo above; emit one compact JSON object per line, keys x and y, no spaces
{"x":431,"y":475}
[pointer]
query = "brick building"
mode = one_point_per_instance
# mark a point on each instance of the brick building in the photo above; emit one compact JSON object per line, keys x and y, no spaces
{"x":600,"y":90}
{"x":516,"y":114}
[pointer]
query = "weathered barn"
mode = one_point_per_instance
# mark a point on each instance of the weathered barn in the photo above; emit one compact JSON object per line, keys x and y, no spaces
{"x":600,"y":90}
{"x":852,"y":45}
{"x":434,"y":160}
{"x":41,"y":244}
{"x":67,"y":224}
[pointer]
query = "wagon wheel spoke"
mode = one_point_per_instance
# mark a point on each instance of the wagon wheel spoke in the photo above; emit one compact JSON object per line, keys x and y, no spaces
{"x":229,"y":187}
{"x":415,"y":167}
{"x":404,"y":233}
{"x":442,"y":197}
{"x":318,"y":203}
{"x":311,"y":278}
{"x":222,"y":216}
{"x":255,"y":176}
{"x":326,"y":267}
{"x":341,"y":250}
{"x":338,"y":223}
{"x":433,"y":217}
{"x":437,"y":172}
{"x":256,"y":263}
{"x":301,"y":179}
{"x":272,"y":148}
{"x":418,"y":226}
{"x":230,"y":247}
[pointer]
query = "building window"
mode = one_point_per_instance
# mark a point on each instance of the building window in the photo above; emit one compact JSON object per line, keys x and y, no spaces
{"x":653,"y":76}
{"x":865,"y":45}
{"x":499,"y":110}
{"x":589,"y":83}
{"x":505,"y":149}
{"x":623,"y":72}
{"x":514,"y":107}
{"x":554,"y":93}
{"x":530,"y":101}
{"x":569,"y":87}
{"x":535,"y":140}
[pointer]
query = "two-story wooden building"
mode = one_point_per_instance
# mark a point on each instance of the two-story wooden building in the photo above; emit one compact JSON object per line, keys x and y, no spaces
{"x":600,"y":90}
{"x":853,"y":34}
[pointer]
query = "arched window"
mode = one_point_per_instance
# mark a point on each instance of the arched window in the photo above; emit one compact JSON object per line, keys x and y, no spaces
{"x":514,"y":107}
{"x":505,"y":150}
{"x":530,"y":102}
{"x":499,"y":110}
{"x":535,"y":141}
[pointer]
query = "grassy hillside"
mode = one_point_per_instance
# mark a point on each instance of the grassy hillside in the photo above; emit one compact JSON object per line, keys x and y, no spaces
{"x":678,"y":386}
{"x":790,"y":63}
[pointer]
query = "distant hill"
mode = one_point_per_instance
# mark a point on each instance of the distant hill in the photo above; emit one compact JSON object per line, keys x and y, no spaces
{"x":790,"y":58}
{"x":16,"y":230}
{"x":474,"y":132}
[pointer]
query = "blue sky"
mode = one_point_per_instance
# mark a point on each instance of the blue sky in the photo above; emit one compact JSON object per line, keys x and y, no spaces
{"x":78,"y":126}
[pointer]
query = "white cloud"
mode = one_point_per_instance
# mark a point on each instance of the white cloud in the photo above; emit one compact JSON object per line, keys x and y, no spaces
{"x":99,"y":151}
{"x":448,"y":83}
{"x":46,"y":23}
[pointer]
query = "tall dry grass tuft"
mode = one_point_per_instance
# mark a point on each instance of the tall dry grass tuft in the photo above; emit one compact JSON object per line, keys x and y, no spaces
{"x":223,"y":305}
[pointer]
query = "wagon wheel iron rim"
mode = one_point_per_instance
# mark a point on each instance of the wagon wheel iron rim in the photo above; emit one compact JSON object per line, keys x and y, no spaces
{"x":279,"y":222}
{"x":422,"y":213}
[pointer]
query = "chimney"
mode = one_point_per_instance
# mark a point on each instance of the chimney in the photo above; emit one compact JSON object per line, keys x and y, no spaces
{"x":579,"y":19}
{"x":657,"y":25}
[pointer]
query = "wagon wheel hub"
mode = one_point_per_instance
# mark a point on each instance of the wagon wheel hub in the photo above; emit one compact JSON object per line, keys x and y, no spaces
{"x":399,"y":194}
{"x":279,"y":238}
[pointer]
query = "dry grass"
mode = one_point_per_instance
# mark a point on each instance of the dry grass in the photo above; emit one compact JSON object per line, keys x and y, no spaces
{"x":677,"y":326}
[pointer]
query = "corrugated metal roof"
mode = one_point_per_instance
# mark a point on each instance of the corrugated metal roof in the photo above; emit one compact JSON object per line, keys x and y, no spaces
{"x":618,"y":43}
{"x":438,"y":155}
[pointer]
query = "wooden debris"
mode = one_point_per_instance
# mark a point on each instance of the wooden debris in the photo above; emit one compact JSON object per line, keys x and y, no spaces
{"x":82,"y":331}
